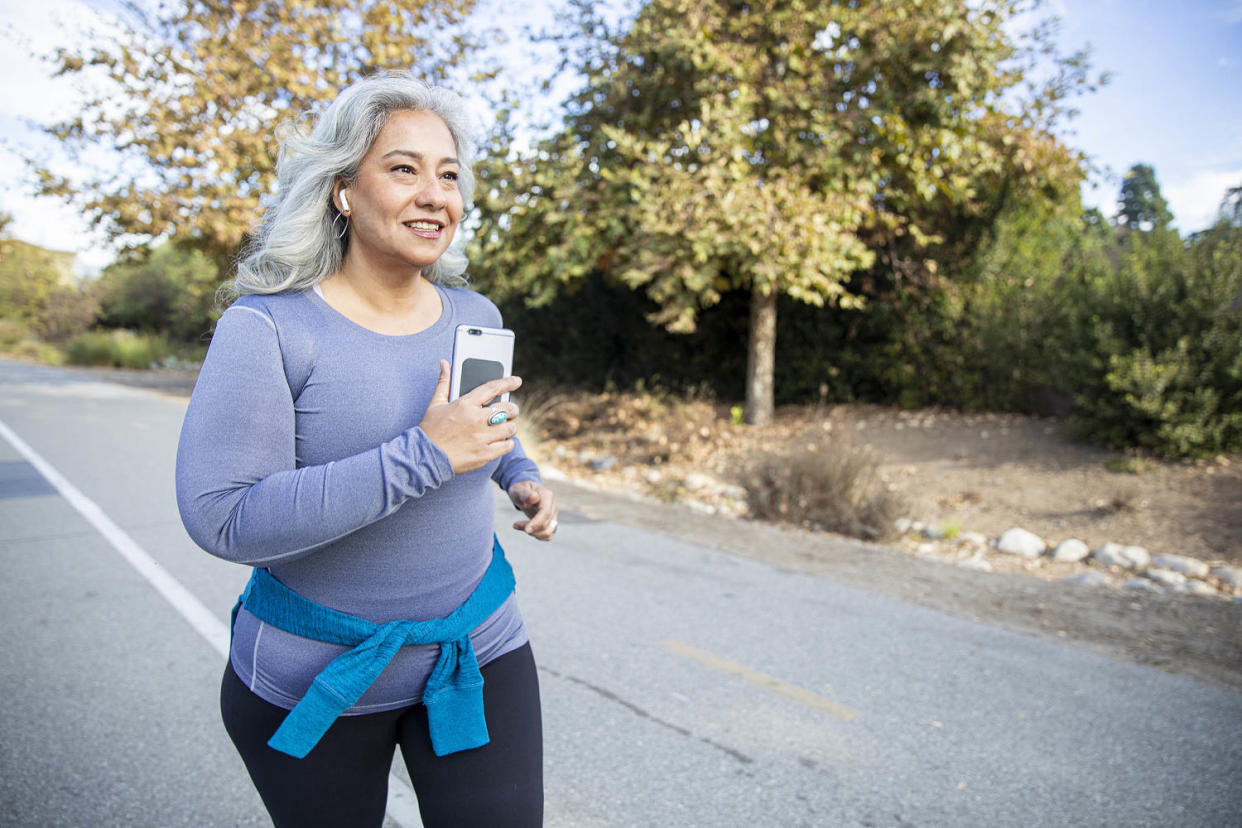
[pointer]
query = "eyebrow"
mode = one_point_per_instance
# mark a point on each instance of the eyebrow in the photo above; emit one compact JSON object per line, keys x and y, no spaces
{"x":417,"y":156}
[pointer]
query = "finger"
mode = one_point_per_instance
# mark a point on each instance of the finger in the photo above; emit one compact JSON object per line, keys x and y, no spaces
{"x":509,"y":410}
{"x":518,"y":493}
{"x":545,"y":532}
{"x":492,"y":389}
{"x":541,"y":518}
{"x":441,"y":394}
{"x":530,"y":502}
{"x":500,"y":433}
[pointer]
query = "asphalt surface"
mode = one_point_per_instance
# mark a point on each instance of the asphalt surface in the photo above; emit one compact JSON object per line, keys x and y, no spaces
{"x":682,"y":686}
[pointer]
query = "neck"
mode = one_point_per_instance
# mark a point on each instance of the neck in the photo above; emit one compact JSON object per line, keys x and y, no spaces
{"x":382,"y":300}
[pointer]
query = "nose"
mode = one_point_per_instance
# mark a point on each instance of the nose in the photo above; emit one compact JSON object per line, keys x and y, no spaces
{"x":431,"y":195}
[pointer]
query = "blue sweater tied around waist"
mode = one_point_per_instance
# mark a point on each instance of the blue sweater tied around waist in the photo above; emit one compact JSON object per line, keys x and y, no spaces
{"x":454,"y":692}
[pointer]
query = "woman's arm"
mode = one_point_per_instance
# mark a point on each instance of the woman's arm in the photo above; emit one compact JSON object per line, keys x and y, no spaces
{"x":240,"y":494}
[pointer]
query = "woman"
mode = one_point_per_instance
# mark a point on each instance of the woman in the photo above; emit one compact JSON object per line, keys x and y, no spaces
{"x":320,"y":448}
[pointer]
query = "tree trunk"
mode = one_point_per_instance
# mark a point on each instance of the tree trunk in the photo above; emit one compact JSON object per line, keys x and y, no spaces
{"x":760,"y":357}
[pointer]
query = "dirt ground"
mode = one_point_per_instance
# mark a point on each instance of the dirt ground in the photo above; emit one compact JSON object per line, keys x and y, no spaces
{"x":672,"y":466}
{"x":675,"y":466}
{"x":981,"y":473}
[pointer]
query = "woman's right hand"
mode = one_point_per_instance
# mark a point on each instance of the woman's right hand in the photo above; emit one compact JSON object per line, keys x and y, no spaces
{"x":461,"y":429}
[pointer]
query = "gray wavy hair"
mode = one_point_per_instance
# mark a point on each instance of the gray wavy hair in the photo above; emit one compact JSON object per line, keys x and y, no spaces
{"x":295,"y":245}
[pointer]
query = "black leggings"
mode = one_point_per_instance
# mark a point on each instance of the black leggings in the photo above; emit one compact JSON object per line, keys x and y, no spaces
{"x":343,"y":781}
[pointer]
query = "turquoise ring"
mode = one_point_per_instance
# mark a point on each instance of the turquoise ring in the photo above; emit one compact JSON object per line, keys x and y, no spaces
{"x":498,"y":417}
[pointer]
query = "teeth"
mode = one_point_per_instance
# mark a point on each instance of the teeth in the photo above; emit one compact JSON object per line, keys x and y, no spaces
{"x":423,"y":225}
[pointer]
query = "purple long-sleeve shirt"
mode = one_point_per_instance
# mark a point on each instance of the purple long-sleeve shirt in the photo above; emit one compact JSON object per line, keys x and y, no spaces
{"x":301,"y":453}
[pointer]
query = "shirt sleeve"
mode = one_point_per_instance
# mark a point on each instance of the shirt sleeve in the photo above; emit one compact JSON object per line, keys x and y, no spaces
{"x":239,"y":492}
{"x":515,"y":466}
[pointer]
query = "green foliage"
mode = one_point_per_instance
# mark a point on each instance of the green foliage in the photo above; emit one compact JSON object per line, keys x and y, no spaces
{"x":11,"y":333}
{"x":117,"y":348}
{"x":773,"y":147}
{"x":39,"y":291}
{"x":1142,"y":206}
{"x":1165,"y":373}
{"x":192,"y":92}
{"x":171,"y":291}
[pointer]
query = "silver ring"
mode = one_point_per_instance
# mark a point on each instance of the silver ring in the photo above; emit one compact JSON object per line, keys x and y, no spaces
{"x":497,"y":417}
{"x":552,"y":526}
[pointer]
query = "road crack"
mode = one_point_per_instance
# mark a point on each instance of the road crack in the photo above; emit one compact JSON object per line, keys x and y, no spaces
{"x":643,"y":714}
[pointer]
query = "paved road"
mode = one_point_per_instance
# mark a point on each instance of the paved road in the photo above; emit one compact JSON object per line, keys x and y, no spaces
{"x":682,"y":686}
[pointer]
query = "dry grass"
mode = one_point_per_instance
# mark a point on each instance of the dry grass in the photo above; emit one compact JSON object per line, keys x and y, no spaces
{"x":834,"y":488}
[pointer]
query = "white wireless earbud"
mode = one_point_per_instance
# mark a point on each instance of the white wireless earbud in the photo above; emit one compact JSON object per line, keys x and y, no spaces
{"x":344,"y":201}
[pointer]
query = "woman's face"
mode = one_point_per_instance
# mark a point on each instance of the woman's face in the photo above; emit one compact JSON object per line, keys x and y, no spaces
{"x":404,"y":205}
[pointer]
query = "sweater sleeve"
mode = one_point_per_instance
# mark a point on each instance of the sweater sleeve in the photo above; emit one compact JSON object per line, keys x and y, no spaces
{"x":240,"y":494}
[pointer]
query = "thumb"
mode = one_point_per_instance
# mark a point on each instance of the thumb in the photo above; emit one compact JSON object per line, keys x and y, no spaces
{"x":441,"y":394}
{"x":524,"y":495}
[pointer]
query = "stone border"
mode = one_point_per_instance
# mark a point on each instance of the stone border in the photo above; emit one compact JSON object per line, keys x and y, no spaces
{"x":1071,"y":560}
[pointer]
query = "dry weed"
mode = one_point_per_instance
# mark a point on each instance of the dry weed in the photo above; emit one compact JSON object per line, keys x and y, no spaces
{"x":836,"y":488}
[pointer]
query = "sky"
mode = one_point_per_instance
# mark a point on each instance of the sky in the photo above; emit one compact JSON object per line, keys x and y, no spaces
{"x":1174,"y":102}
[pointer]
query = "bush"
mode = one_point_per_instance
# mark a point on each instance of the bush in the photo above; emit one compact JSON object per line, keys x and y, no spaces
{"x":117,"y":348}
{"x":835,"y":488}
{"x":1165,"y":369}
{"x":37,"y":351}
{"x":169,"y":290}
{"x":11,"y":333}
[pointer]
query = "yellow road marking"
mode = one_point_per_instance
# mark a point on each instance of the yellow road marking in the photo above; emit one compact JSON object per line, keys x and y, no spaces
{"x":784,"y":688}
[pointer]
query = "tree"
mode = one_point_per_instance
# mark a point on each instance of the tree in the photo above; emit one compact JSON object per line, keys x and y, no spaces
{"x":171,"y":291}
{"x":771,"y":147}
{"x":192,"y":93}
{"x":1141,"y":205}
{"x":38,"y":290}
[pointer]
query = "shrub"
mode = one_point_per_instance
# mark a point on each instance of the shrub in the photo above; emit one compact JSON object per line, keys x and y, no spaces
{"x":834,"y":488}
{"x":117,"y":348}
{"x":11,"y":333}
{"x":1165,"y":372}
{"x":37,"y":351}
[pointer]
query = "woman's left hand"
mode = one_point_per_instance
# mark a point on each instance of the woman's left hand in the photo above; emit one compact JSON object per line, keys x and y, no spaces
{"x":539,"y":504}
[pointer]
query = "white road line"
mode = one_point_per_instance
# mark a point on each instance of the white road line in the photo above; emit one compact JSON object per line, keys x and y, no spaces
{"x":402,"y":804}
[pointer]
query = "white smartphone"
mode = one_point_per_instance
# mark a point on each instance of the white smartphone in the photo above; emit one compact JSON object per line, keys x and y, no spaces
{"x":480,"y":354}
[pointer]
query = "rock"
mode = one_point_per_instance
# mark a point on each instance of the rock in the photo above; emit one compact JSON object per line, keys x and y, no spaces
{"x":975,"y":538}
{"x":1166,"y":577}
{"x":934,"y":532}
{"x":697,"y":482}
{"x":976,"y":564}
{"x":1189,"y":567}
{"x":602,"y":464}
{"x":1228,"y":575}
{"x":925,"y":549}
{"x":1198,"y":588}
{"x":1095,"y":579}
{"x":1126,"y":557}
{"x":902,"y":525}
{"x":1072,"y":550}
{"x":1021,"y":542}
{"x":1142,"y":584}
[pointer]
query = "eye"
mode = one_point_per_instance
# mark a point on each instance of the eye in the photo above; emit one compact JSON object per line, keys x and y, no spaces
{"x":451,"y":176}
{"x":403,"y":168}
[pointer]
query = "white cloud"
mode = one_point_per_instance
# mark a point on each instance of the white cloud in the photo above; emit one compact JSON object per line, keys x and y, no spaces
{"x":1195,"y":201}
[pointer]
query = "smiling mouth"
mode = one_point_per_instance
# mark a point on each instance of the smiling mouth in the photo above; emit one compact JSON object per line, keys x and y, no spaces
{"x":425,"y":228}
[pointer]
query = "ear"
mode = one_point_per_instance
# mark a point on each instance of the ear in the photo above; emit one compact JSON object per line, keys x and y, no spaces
{"x":339,"y":199}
